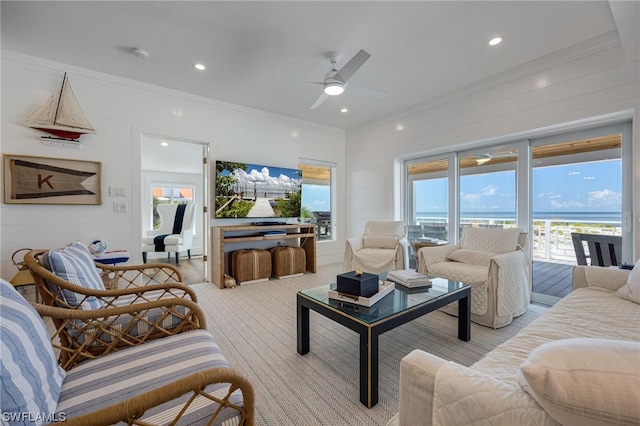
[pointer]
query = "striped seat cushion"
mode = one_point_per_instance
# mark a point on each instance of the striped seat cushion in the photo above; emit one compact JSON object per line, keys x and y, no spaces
{"x":146,"y":319}
{"x":75,"y":264}
{"x":30,"y":377}
{"x":122,"y":375}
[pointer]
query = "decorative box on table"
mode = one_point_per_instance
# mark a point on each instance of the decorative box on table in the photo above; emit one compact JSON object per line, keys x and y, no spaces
{"x":365,"y":285}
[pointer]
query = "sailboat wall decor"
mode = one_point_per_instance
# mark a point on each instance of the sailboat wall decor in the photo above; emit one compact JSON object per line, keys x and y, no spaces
{"x":61,"y":115}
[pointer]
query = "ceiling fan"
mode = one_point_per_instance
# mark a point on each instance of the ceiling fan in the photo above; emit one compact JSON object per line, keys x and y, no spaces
{"x":335,"y":81}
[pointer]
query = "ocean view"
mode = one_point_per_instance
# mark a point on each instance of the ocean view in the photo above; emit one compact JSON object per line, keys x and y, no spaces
{"x":551,"y":231}
{"x":613,"y":218}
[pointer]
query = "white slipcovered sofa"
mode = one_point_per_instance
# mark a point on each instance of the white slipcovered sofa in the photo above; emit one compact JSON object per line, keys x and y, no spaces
{"x":495,"y":263}
{"x":577,"y":364}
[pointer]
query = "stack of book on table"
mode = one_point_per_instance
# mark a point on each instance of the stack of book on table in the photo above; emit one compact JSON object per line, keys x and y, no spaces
{"x":409,"y":278}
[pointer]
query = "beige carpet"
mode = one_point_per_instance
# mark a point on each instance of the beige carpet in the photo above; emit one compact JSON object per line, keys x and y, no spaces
{"x":255,"y":325}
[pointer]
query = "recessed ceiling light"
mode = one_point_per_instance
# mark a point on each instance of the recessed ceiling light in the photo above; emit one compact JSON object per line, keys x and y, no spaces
{"x":344,"y":110}
{"x":494,"y":41}
{"x":164,"y":143}
{"x":199,"y":67}
{"x":140,"y":53}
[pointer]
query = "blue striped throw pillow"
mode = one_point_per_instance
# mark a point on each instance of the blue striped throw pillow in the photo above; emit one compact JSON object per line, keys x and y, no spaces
{"x":75,"y":264}
{"x":30,"y":377}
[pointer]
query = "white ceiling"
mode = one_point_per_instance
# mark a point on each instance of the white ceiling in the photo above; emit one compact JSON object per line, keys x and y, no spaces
{"x":264,"y":54}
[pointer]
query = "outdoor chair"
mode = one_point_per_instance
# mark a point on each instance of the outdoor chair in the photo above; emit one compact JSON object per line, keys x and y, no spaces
{"x":604,"y":250}
{"x":382,"y":248}
{"x":175,"y":233}
{"x":147,"y":301}
{"x":178,"y":379}
{"x":495,"y":263}
{"x":323,"y":223}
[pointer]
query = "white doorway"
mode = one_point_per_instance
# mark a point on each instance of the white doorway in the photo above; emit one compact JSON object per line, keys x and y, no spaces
{"x":175,"y":166}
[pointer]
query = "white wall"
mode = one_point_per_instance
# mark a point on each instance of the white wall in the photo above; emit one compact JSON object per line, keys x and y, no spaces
{"x":121,"y":110}
{"x":577,"y":86}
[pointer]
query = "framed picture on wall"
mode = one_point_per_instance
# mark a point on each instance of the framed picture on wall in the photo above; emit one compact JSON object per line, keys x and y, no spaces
{"x":42,"y":180}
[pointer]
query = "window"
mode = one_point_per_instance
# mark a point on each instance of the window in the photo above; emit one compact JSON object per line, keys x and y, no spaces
{"x":551,"y":186}
{"x":429,"y":205}
{"x":169,"y":194}
{"x":577,"y":187}
{"x":488,"y":188}
{"x":317,"y":197}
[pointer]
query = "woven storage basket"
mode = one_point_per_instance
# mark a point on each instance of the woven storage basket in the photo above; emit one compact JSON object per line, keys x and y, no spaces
{"x":287,"y":261}
{"x":251,"y":265}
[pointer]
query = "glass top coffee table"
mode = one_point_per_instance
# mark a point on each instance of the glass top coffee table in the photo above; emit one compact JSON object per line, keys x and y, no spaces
{"x":397,"y":308}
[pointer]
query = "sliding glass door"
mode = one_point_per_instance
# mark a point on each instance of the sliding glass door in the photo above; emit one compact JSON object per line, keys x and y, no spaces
{"x":429,"y":204}
{"x":551,"y":187}
{"x":488,"y":188}
{"x":578,"y":189}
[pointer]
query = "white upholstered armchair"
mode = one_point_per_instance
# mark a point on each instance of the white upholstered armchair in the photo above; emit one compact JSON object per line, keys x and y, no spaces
{"x":495,"y":263}
{"x":382,"y":248}
{"x":175,"y":233}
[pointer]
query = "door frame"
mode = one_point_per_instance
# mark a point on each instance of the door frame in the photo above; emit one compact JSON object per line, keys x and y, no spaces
{"x":203,"y":200}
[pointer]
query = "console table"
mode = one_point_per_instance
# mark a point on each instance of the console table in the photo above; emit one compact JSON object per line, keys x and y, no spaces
{"x":222,"y":236}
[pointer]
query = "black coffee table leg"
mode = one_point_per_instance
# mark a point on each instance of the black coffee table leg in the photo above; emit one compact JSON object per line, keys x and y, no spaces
{"x":303,"y":328}
{"x":369,"y":367}
{"x":464,"y":318}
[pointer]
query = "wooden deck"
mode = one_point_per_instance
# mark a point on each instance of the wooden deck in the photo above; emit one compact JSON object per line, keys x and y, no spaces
{"x":552,"y":279}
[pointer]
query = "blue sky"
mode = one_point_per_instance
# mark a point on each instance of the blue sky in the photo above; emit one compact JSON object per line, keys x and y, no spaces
{"x":316,"y":197}
{"x":269,"y":176}
{"x":582,"y":187}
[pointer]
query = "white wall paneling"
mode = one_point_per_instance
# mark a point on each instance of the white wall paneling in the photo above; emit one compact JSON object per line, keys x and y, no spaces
{"x":121,"y":111}
{"x":598,"y":86}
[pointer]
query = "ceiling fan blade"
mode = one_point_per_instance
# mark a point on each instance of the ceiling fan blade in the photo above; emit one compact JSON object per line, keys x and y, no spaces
{"x":365,"y":91}
{"x":352,"y":66}
{"x":319,"y":101}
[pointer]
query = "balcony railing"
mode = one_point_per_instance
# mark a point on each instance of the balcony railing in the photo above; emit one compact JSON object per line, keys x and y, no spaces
{"x":551,"y":238}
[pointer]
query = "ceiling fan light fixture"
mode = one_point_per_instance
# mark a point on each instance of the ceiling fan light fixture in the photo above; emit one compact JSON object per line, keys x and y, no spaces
{"x":481,"y":159}
{"x":333,"y":88}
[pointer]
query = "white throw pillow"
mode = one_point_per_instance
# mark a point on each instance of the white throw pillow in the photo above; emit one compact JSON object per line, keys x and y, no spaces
{"x":471,"y":257}
{"x":585,"y":381}
{"x":380,"y":241}
{"x":631,"y":290}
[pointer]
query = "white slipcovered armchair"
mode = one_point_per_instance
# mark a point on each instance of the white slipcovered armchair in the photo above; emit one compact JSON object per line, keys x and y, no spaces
{"x":175,"y":233}
{"x":382,"y":248}
{"x":495,"y":263}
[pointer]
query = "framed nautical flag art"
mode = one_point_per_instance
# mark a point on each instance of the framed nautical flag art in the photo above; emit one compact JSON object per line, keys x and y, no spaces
{"x":41,"y":180}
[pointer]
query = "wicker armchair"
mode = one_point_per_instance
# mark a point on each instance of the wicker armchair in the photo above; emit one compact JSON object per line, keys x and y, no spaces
{"x":149,"y":304}
{"x":177,"y":379}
